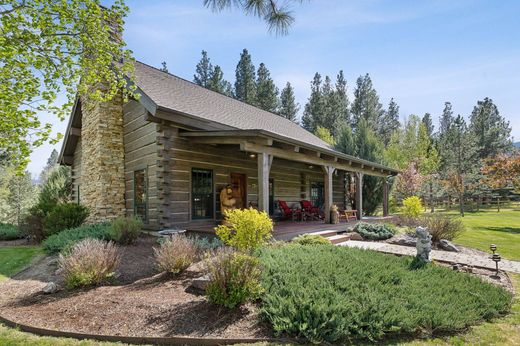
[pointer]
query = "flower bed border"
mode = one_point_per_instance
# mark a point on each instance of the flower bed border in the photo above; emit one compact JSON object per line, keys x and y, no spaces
{"x":139,"y":340}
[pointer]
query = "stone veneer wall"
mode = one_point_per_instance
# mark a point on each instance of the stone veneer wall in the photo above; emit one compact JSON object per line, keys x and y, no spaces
{"x":102,"y":167}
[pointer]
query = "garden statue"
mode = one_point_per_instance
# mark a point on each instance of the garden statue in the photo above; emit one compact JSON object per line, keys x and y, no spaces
{"x":424,"y":244}
{"x":227,"y":201}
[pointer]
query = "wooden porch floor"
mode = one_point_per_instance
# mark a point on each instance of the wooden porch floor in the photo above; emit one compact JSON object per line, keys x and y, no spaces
{"x":286,"y":230}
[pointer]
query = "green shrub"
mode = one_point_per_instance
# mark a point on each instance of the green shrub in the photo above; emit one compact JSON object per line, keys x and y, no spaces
{"x":64,"y":216}
{"x":89,"y":262}
{"x":375,"y":231}
{"x":57,"y":189}
{"x":336,"y":294}
{"x":9,"y":232}
{"x":176,"y":254}
{"x":234,"y":278}
{"x":442,"y":226}
{"x":311,"y":239}
{"x":205,"y":244}
{"x":245,"y":229}
{"x":125,"y":230}
{"x":32,"y":224}
{"x":66,"y":239}
{"x":412,"y":206}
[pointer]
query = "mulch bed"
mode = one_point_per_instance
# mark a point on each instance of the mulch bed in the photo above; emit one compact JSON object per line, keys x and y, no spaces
{"x":140,"y":303}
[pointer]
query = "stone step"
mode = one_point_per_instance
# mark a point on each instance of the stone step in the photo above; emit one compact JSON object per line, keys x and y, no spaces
{"x":338,"y":238}
{"x":325,"y":233}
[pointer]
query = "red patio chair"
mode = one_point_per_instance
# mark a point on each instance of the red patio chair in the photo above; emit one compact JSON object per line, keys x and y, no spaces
{"x":310,"y":210}
{"x":288,"y":212}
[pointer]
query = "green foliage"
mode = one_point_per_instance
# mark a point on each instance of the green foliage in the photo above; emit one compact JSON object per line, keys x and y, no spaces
{"x":206,"y":243}
{"x":57,"y":189}
{"x":176,"y":254}
{"x":17,"y":194}
{"x":125,"y":230}
{"x":311,"y":239}
{"x":336,"y":294}
{"x":245,"y":229}
{"x":9,"y":232}
{"x":234,"y":278}
{"x":266,"y":90}
{"x":38,"y":36}
{"x":443,"y":227}
{"x":327,"y":106}
{"x":375,"y":231}
{"x":325,"y":135}
{"x":245,"y":85}
{"x":288,"y":106}
{"x":89,"y":262}
{"x":63,"y":241}
{"x":412,"y":206}
{"x":64,"y":216}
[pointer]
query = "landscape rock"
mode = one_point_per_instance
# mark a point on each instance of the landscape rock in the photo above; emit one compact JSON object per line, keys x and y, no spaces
{"x":446,"y":245}
{"x":200,"y":283}
{"x":50,"y":288}
{"x":404,"y":240}
{"x":355,"y":236}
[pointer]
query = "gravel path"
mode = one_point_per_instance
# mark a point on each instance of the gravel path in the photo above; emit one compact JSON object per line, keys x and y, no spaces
{"x":474,"y":260}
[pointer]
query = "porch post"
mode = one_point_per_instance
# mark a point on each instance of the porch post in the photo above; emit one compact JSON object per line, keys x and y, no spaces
{"x":264,"y":166}
{"x":359,"y":195}
{"x":385,"y":196}
{"x":328,"y":171}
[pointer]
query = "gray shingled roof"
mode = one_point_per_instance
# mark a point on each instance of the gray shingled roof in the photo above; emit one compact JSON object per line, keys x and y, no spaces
{"x":177,"y":94}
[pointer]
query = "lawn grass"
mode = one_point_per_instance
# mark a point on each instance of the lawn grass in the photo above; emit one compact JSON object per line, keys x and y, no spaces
{"x":14,"y":337}
{"x":491,"y":227}
{"x":15,"y":258}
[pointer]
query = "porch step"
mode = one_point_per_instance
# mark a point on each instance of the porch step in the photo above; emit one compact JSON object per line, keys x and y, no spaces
{"x":326,"y":233}
{"x":338,"y":238}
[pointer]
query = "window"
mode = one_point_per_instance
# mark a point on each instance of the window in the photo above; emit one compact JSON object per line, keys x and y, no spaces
{"x":317,"y":194}
{"x":202,"y":204}
{"x":141,"y":194}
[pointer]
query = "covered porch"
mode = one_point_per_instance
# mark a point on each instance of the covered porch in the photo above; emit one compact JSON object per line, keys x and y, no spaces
{"x":338,"y":177}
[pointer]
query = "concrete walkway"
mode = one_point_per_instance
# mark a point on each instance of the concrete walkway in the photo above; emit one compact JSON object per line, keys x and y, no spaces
{"x":480,"y":261}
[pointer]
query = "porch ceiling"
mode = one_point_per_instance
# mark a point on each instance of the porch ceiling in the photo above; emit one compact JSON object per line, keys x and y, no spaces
{"x":259,"y":141}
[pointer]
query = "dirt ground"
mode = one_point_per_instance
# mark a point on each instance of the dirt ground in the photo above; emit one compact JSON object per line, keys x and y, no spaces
{"x":140,"y":303}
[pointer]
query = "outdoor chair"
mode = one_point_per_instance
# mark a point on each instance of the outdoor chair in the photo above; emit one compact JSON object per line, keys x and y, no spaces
{"x":294,"y":214}
{"x":312,"y":212}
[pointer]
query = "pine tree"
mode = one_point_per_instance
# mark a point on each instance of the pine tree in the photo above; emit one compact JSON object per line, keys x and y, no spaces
{"x":203,"y":70}
{"x":245,"y":86}
{"x":21,"y":196}
{"x":366,"y":104}
{"x":266,"y":91}
{"x":443,"y":141}
{"x":52,"y":161}
{"x":288,"y":106}
{"x":389,"y":122}
{"x":428,"y":122}
{"x":491,"y":130}
{"x":315,"y":106}
{"x":461,"y":159}
{"x":217,"y":82}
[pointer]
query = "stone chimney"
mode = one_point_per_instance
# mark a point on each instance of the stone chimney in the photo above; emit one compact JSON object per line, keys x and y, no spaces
{"x":103,"y":155}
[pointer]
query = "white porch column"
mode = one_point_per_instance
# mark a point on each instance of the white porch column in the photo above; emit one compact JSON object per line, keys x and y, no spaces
{"x":264,"y":166}
{"x":327,"y":180}
{"x":359,"y":195}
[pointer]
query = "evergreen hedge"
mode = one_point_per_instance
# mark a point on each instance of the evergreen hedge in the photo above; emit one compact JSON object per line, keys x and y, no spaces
{"x":335,"y":294}
{"x":64,"y":240}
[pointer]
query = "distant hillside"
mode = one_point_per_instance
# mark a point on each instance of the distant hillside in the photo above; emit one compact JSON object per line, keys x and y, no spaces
{"x":517,"y":144}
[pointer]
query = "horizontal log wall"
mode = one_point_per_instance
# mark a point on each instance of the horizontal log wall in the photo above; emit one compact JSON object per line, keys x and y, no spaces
{"x":141,"y":152}
{"x":76,"y":173}
{"x":179,"y":156}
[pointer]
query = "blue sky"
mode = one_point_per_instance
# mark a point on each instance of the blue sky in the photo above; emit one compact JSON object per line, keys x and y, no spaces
{"x":421,"y":53}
